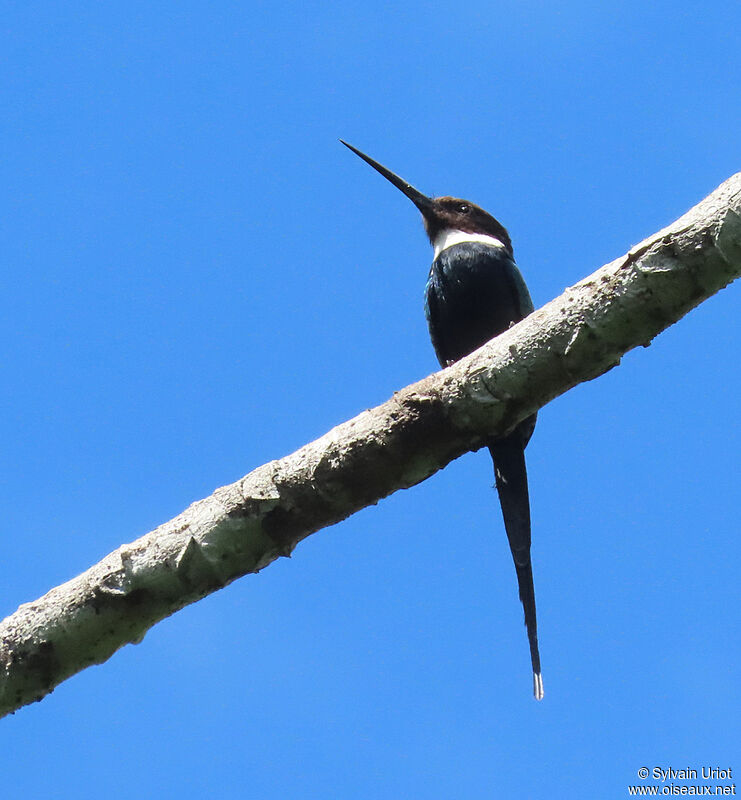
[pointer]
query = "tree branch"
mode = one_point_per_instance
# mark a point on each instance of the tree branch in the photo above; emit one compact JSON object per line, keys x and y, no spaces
{"x":243,"y":527}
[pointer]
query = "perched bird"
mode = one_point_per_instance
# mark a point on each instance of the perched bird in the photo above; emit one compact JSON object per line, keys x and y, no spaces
{"x":475,"y":292}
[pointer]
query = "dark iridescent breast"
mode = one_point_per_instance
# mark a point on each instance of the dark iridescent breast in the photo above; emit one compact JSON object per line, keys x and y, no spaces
{"x":474,"y":292}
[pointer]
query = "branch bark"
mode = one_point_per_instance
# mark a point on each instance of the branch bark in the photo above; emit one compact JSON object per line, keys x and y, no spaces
{"x":243,"y":527}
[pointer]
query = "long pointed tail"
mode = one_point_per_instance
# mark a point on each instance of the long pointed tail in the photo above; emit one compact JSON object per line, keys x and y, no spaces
{"x":508,"y":455}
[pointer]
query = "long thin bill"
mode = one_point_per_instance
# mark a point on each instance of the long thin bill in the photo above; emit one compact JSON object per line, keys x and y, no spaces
{"x":420,"y":200}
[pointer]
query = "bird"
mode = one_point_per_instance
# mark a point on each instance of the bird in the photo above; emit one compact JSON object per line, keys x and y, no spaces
{"x":474,"y":292}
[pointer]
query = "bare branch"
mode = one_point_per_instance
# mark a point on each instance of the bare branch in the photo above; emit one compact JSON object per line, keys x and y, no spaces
{"x":243,"y":527}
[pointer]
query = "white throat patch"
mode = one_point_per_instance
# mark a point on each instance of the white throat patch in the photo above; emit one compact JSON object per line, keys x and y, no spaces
{"x":448,"y":238}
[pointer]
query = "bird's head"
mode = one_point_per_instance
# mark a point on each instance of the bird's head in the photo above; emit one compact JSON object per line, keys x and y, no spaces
{"x":444,"y":215}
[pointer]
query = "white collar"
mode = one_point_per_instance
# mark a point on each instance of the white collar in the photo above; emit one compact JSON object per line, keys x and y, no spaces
{"x":449,"y":237}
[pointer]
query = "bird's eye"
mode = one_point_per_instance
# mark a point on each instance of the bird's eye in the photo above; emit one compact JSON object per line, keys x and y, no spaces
{"x":464,"y":208}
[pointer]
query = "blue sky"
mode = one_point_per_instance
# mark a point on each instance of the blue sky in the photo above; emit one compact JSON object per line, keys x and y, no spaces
{"x":199,"y":278}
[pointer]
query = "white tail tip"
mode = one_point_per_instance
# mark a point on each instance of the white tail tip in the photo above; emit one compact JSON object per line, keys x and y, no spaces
{"x":538,"y":686}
